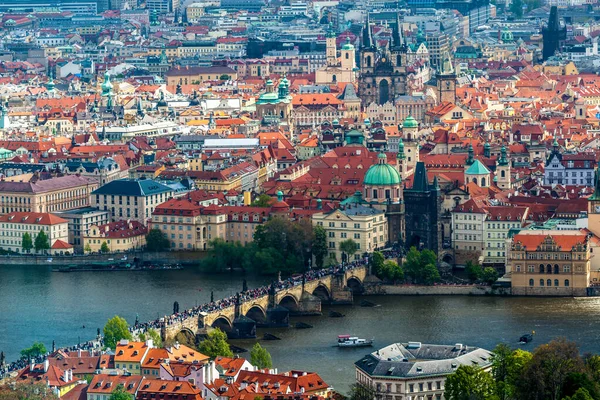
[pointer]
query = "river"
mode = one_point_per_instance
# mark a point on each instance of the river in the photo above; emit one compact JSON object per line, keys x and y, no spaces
{"x":40,"y":305}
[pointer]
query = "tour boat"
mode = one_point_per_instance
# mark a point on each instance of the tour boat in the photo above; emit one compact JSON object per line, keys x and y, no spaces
{"x":353,"y":341}
{"x":526,"y":338}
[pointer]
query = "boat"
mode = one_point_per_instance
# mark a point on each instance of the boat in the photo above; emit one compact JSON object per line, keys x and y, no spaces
{"x":353,"y":341}
{"x":526,"y":338}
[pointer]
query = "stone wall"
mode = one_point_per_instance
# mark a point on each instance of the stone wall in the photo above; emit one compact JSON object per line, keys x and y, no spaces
{"x":165,"y":257}
{"x":414,"y":290}
{"x":550,"y":291}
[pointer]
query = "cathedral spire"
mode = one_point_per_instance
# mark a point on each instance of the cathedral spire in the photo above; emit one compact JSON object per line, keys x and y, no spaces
{"x":397,"y":33}
{"x":367,"y":39}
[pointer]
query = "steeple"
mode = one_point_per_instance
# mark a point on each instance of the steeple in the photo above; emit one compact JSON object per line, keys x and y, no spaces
{"x":401,"y":154}
{"x":420,"y":182}
{"x":470,"y":159}
{"x":435,"y":185}
{"x":446,"y":66}
{"x":397,"y":37}
{"x":486,"y":150}
{"x":503,"y":160}
{"x":366,"y":34}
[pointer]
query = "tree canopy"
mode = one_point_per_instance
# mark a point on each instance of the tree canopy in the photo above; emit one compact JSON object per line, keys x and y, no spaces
{"x":216,"y":345}
{"x":260,"y":357}
{"x":319,"y":247}
{"x":469,"y":383}
{"x":27,"y":390}
{"x":27,"y":242}
{"x":156,"y":240}
{"x":120,"y":394}
{"x":264,"y":200}
{"x":41,"y":241}
{"x":116,"y":329}
{"x":348,"y":247}
{"x":37,"y":349}
{"x":104,"y":247}
{"x":421,"y":266}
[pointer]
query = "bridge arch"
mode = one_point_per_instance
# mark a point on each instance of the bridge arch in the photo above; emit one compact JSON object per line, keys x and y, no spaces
{"x":186,"y":337}
{"x":290,"y":302}
{"x":448,"y":257}
{"x":223,"y":323}
{"x":257,"y":314}
{"x":354,"y":283}
{"x":322,"y":292}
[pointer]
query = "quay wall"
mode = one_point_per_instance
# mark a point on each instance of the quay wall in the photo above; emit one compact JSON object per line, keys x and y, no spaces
{"x":163,"y":257}
{"x":442,"y":290}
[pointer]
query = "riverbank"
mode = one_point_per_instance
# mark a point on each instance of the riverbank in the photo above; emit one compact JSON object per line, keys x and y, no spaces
{"x":376,"y":289}
{"x":162,"y":257}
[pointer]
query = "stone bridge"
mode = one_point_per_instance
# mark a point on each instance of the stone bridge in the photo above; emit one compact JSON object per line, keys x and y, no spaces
{"x":273,"y":309}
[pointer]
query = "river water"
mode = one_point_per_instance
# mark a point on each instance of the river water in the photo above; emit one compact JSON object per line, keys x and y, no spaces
{"x":37,"y":304}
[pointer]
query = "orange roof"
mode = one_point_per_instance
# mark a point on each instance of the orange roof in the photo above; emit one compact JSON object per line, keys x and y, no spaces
{"x":182,"y":352}
{"x":106,"y":384}
{"x":565,"y":239}
{"x":316,"y":99}
{"x":154,"y":358}
{"x":60,"y":245}
{"x":32,"y":218}
{"x":130,"y":351}
{"x":168,"y":389}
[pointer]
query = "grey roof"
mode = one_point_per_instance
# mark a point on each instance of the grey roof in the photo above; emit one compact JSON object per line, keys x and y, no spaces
{"x":133,"y":187}
{"x":48,"y":185}
{"x":414,"y":359}
{"x":349,"y":93}
{"x":359,"y":209}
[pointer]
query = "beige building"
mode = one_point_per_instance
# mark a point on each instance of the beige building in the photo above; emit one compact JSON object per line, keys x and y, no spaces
{"x":43,"y":196}
{"x":14,"y":225}
{"x":550,"y":263}
{"x":194,"y":75}
{"x":414,"y":370}
{"x":338,"y":69}
{"x":130,"y":198}
{"x":119,"y":236}
{"x":367,"y":226}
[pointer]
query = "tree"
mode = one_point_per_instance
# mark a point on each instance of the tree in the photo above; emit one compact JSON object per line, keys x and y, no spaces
{"x":120,"y":394}
{"x":116,"y":329}
{"x":319,"y":247}
{"x":37,"y":349}
{"x":215,"y":345}
{"x":376,"y":263}
{"x":87,"y":248}
{"x":430,"y":274}
{"x":469,"y":383}
{"x":224,"y":77}
{"x":264,"y":200}
{"x":421,"y":266}
{"x":156,"y":240}
{"x":473,"y":271}
{"x":27,"y":390}
{"x":546,"y":373}
{"x":517,"y":8}
{"x":348,"y":247}
{"x":41,"y":241}
{"x":581,"y":394}
{"x":489,"y":275}
{"x":104,"y":248}
{"x":155,"y":336}
{"x":260,"y":357}
{"x":27,"y":242}
{"x":507,"y":367}
{"x":391,"y":271}
{"x":576,"y":381}
{"x":592,"y":366}
{"x":361,"y":392}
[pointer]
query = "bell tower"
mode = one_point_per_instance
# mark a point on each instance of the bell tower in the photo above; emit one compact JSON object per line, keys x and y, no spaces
{"x":503,"y":179}
{"x":446,"y":81}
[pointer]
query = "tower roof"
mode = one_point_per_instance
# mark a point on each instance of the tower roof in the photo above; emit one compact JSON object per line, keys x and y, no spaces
{"x":382,"y":174}
{"x":410,"y":122}
{"x":367,"y":40}
{"x":420,"y":182}
{"x":477,"y":168}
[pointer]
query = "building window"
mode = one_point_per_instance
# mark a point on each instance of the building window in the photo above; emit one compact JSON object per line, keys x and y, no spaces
{"x":566,"y":283}
{"x":549,"y":282}
{"x":556,"y":282}
{"x":541,"y":282}
{"x":531,"y":282}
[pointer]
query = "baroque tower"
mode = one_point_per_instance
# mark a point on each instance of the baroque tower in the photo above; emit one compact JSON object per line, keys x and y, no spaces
{"x":446,"y":81}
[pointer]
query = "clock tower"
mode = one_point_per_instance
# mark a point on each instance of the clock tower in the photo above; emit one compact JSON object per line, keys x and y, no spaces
{"x":594,"y":207}
{"x":446,"y":81}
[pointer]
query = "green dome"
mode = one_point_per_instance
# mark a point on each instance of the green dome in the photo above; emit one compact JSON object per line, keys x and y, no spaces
{"x":353,"y":133}
{"x":410,"y":122}
{"x":347,"y":45}
{"x":336,"y":122}
{"x":506,"y":35}
{"x":382,"y":174}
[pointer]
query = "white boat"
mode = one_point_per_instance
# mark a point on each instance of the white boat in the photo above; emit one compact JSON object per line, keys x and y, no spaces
{"x":353,"y":341}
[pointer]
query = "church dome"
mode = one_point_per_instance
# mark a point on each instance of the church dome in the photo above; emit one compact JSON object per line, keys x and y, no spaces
{"x":506,"y":36}
{"x":347,"y":45}
{"x":382,"y":174}
{"x":410,"y":122}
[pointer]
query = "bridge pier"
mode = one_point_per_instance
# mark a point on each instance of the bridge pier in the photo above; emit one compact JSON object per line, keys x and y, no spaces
{"x":340,"y":293}
{"x":308,"y":305}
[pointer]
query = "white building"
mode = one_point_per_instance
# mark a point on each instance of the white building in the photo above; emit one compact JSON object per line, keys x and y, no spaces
{"x":16,"y":224}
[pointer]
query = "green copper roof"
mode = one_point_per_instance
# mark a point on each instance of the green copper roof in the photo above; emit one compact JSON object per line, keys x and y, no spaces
{"x":382,"y":174}
{"x":410,"y":122}
{"x":477,"y":168}
{"x":347,"y":45}
{"x":596,"y":194}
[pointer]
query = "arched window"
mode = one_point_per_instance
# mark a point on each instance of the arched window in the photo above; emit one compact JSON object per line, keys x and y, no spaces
{"x":541,"y":282}
{"x":556,"y":282}
{"x":549,"y":269}
{"x":374,"y":193}
{"x":368,"y":60}
{"x":531,"y":282}
{"x":347,"y":56}
{"x":387,"y":194}
{"x":566,"y":283}
{"x":475,"y":181}
{"x":556,"y":268}
{"x":502,"y":173}
{"x":541,"y":268}
{"x":482,"y":182}
{"x":398,"y":60}
{"x":334,"y":78}
{"x":549,"y":282}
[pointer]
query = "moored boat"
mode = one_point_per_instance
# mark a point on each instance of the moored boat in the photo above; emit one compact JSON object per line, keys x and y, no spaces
{"x":353,"y":341}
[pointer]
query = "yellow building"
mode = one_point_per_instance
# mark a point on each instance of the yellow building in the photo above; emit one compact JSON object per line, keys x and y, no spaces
{"x":366,"y":226}
{"x":550,"y":263}
{"x":338,"y":69}
{"x":130,"y":355}
{"x":16,"y":224}
{"x":119,"y":236}
{"x":193,"y":75}
{"x":50,"y":195}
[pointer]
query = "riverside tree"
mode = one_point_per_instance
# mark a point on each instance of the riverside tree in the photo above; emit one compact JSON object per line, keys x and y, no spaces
{"x":319,"y":247}
{"x":348,"y":247}
{"x":421,"y":266}
{"x":156,"y":240}
{"x":27,"y":242}
{"x":260,"y":357}
{"x":116,"y":329}
{"x":469,"y":383}
{"x":41,"y":241}
{"x":215,"y":345}
{"x":104,"y":247}
{"x":36,"y":350}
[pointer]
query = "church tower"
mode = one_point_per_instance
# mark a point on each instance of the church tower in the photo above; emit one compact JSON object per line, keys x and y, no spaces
{"x":410,"y":131}
{"x":331,"y":51}
{"x":348,"y":57}
{"x":446,"y":81}
{"x":503,"y":179}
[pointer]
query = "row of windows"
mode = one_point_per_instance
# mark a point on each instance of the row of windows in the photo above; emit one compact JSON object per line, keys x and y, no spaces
{"x":548,"y":269}
{"x":548,"y":283}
